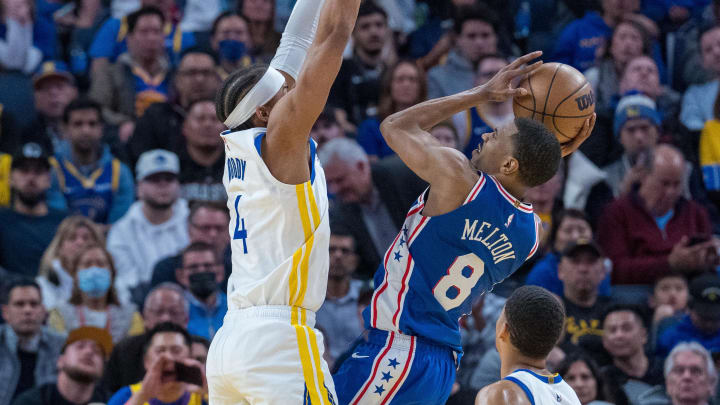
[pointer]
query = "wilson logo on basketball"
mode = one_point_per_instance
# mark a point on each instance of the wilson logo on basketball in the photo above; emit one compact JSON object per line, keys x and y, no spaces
{"x":585,"y":101}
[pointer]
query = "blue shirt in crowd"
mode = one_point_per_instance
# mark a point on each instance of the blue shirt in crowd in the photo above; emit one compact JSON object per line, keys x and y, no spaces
{"x":685,"y":331}
{"x":545,"y":274}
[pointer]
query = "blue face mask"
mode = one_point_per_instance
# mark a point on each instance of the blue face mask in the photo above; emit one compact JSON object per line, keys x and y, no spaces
{"x":94,"y":281}
{"x":232,"y":50}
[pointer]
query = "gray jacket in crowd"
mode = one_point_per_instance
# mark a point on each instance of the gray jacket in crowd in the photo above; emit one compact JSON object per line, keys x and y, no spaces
{"x":49,"y":346}
{"x":456,"y":75}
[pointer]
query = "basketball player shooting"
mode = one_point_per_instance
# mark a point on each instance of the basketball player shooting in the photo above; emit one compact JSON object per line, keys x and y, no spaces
{"x":526,"y":331}
{"x":268,"y":351}
{"x":468,"y":232}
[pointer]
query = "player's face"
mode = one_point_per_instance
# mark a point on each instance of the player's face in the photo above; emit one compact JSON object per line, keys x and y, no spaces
{"x":495,"y":148}
{"x":82,"y":360}
{"x":580,"y":378}
{"x":84,"y":130}
{"x":671,"y":291}
{"x":370,"y":33}
{"x":476,"y":40}
{"x":688,"y":381}
{"x":623,"y":334}
{"x":570,"y":230}
{"x":641,"y":74}
{"x":201,"y":127}
{"x":626,"y":43}
{"x":710,"y":50}
{"x":405,"y":86}
{"x":638,"y":134}
{"x":197,"y":78}
{"x":24,"y":311}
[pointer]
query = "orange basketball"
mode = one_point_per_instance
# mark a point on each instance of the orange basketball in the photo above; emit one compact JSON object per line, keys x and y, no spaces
{"x":559,"y":96}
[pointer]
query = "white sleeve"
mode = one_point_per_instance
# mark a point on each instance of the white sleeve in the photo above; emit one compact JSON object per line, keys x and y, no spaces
{"x":298,"y":36}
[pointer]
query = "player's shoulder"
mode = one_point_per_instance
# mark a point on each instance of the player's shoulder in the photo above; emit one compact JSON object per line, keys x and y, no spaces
{"x":502,"y":392}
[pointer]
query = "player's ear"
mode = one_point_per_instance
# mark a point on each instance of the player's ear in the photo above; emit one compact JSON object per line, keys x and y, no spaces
{"x":509,"y":166}
{"x":262,"y":113}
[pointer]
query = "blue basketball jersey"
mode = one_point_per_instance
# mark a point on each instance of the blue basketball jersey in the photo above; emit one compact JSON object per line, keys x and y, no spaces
{"x":91,"y":195}
{"x":437,"y":266}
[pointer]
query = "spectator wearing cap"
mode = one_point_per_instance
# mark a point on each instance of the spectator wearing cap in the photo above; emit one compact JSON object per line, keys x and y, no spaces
{"x":54,"y":88}
{"x":164,"y":303}
{"x":372,"y":200}
{"x":326,"y":128}
{"x":87,"y":179}
{"x":699,"y":99}
{"x":476,"y":35}
{"x":29,"y":225}
{"x":648,"y":232}
{"x":80,"y":367}
{"x":161,"y":126}
{"x":702,"y":323}
{"x":625,"y":338}
{"x":154,"y":227}
{"x":231,"y":41}
{"x":28,"y":350}
{"x":581,"y":270}
{"x":139,"y":77}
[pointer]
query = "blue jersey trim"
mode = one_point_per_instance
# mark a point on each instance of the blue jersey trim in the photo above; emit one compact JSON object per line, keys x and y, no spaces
{"x":313,"y":148}
{"x":547,"y":379}
{"x":258,"y":143}
{"x":524,"y":388}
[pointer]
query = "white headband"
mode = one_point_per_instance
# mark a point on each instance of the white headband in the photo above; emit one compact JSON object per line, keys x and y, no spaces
{"x":268,"y":86}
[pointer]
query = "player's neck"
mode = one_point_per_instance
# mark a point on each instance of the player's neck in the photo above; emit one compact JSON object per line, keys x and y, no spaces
{"x":512,"y":186}
{"x":634,"y":366}
{"x":338,"y":287}
{"x":517,"y":362}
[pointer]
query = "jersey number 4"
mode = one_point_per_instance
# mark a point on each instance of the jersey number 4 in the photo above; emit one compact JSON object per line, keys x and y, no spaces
{"x":240,"y":231}
{"x":457,"y":284}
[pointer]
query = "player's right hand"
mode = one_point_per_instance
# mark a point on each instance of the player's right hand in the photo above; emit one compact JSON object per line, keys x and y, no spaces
{"x":571,"y":146}
{"x":503,"y":85}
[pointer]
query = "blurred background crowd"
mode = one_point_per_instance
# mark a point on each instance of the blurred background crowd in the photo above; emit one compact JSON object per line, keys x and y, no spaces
{"x":114,"y":233}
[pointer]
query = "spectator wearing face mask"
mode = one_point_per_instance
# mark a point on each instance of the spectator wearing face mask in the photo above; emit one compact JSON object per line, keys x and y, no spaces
{"x":94,"y":301}
{"x":231,"y":41}
{"x":200,"y":274}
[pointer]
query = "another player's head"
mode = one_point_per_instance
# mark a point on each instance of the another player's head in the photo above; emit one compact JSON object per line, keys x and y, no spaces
{"x":530,"y":324}
{"x":523,"y":150}
{"x":239,"y":85}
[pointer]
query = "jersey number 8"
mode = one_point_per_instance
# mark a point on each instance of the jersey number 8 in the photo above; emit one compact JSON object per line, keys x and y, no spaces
{"x":457,"y":284}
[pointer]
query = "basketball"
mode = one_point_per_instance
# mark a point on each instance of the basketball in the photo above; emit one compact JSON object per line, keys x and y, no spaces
{"x":559,"y":96}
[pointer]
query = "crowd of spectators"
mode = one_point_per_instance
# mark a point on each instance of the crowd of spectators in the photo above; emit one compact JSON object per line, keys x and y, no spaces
{"x":114,"y":242}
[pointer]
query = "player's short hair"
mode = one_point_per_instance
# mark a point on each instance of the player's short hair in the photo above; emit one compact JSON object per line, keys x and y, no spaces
{"x":537,"y":152}
{"x":475,"y":12}
{"x":234,"y":88}
{"x":166,"y":327}
{"x":133,"y":18}
{"x":369,"y":7}
{"x":535,"y":320}
{"x":81,"y":103}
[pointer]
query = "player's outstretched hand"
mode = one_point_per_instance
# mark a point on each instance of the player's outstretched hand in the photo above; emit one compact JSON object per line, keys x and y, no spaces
{"x":571,"y":146}
{"x":503,"y":85}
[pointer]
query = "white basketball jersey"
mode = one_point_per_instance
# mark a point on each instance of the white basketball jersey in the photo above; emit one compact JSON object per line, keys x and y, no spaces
{"x":544,"y":389}
{"x":280,"y":233}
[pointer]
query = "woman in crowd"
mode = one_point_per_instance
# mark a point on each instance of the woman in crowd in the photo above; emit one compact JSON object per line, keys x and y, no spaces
{"x":570,"y":226}
{"x":581,"y":373}
{"x":260,"y":15}
{"x":55,"y":278}
{"x":94,"y":301}
{"x":17,"y":51}
{"x":403,"y":86}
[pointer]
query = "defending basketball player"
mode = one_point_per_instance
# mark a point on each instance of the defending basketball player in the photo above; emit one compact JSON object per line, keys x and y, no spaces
{"x":528,"y":328}
{"x":268,"y":351}
{"x":468,"y":232}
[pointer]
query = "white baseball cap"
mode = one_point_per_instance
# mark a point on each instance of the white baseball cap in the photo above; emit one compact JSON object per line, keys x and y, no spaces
{"x":156,"y":161}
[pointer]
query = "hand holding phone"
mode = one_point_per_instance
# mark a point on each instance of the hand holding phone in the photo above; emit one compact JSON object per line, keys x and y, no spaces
{"x":188,"y":374}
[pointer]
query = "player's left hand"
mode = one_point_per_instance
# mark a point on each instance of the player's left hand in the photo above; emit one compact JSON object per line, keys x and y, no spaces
{"x":571,"y":146}
{"x":503,"y":85}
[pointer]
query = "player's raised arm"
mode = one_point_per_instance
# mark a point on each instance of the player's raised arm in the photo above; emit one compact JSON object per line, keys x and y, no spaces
{"x":294,"y":115}
{"x":406,"y":132}
{"x":502,"y":393}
